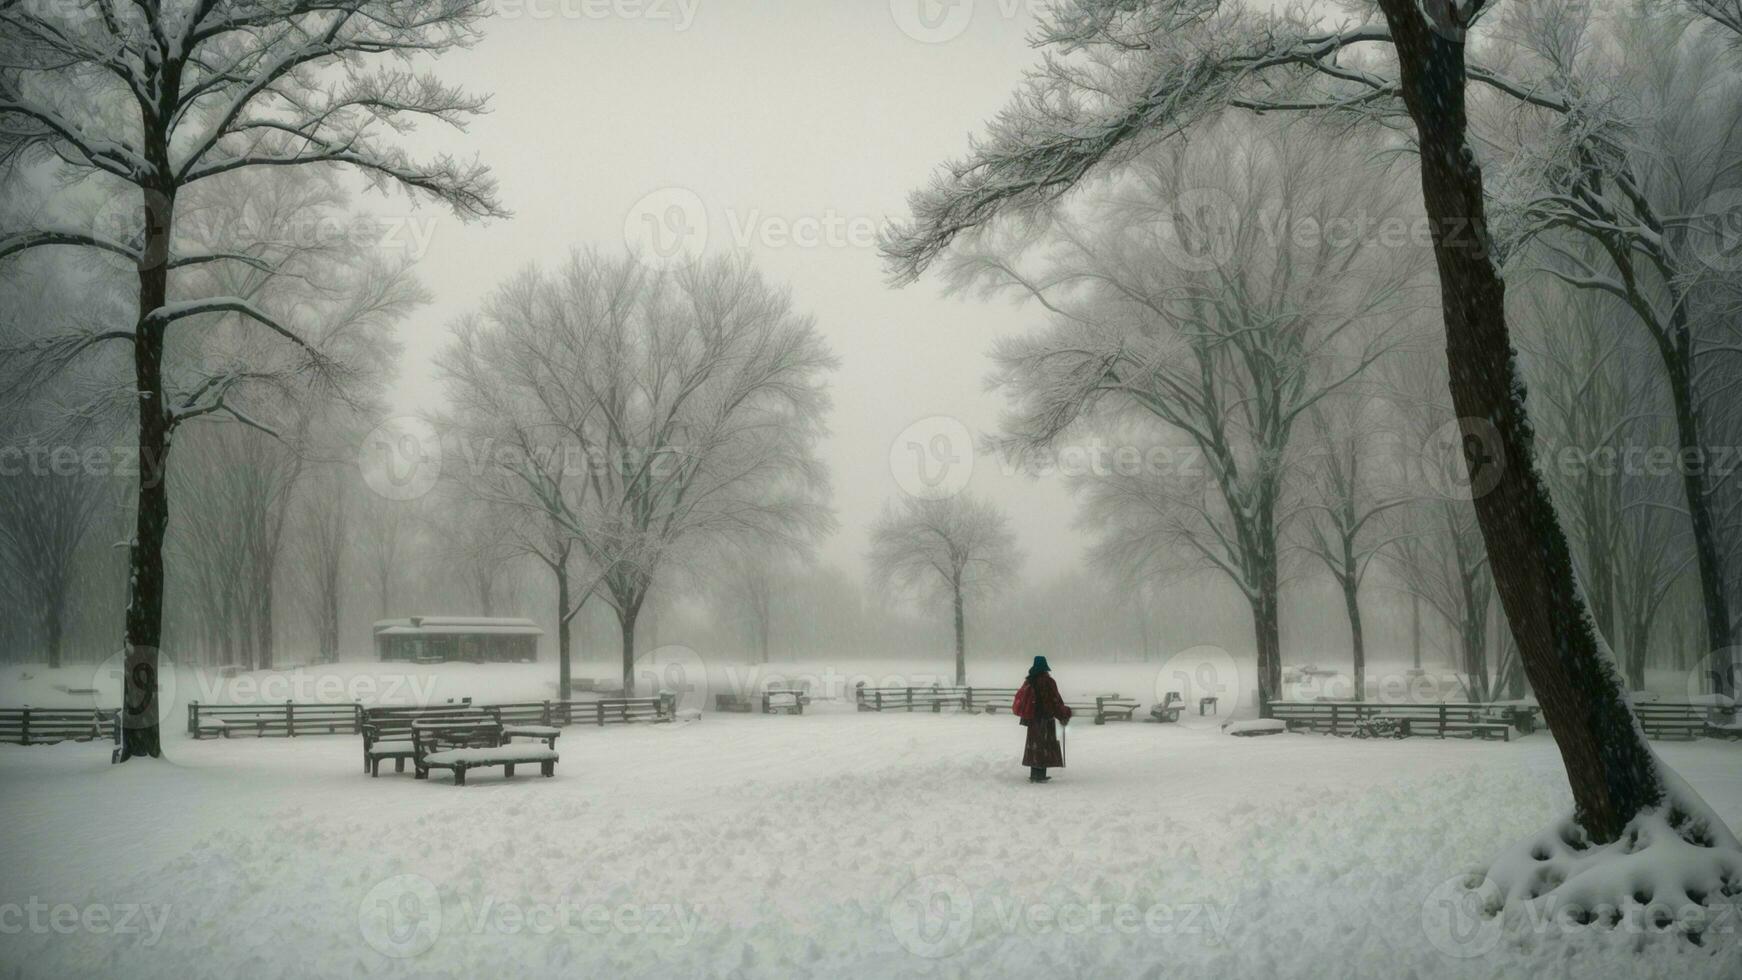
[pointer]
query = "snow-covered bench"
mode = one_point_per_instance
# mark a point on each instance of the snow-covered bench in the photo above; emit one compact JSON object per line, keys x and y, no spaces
{"x":783,"y":699}
{"x":1168,"y":710}
{"x":507,"y":756}
{"x":538,"y":733}
{"x":387,"y":731}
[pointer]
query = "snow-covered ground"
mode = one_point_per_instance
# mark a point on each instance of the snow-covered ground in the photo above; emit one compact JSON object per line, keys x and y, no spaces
{"x":836,"y":843}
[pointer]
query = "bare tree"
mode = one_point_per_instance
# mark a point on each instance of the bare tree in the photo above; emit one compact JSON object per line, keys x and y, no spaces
{"x":950,"y":548}
{"x":1345,"y":501}
{"x":211,"y":88}
{"x":388,"y":527}
{"x":748,"y":582}
{"x":1228,"y":346}
{"x":1621,"y":146}
{"x":650,"y":413}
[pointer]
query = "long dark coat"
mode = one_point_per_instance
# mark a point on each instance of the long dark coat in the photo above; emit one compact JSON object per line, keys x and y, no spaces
{"x":1042,"y":749}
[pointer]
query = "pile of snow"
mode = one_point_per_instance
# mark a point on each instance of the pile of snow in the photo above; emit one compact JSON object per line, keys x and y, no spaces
{"x":1256,"y":726}
{"x":1675,"y":871}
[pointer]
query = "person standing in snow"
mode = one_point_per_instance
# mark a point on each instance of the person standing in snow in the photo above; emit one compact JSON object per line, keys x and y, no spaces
{"x":1038,"y":705}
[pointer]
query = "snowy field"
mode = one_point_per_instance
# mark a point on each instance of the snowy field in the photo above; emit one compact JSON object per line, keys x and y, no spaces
{"x":832,"y":844}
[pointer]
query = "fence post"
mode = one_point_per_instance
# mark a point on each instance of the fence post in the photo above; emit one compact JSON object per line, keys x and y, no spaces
{"x":193,"y":718}
{"x":26,"y":724}
{"x":1442,"y":721}
{"x":290,"y":718}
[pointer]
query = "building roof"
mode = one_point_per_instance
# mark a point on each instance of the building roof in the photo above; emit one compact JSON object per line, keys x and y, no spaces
{"x":458,"y":626}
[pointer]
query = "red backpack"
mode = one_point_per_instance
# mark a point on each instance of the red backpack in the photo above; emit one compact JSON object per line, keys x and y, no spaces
{"x":1023,"y":706}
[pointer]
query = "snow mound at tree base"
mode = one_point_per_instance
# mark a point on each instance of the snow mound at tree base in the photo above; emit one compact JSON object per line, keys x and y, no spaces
{"x":1676,"y":871}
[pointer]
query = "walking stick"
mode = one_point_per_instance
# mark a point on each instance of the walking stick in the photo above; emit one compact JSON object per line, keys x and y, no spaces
{"x":1064,"y":737}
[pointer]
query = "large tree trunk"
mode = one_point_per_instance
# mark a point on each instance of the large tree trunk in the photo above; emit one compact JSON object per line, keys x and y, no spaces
{"x":1611,"y":768}
{"x":52,"y":628}
{"x":144,"y":620}
{"x":1267,"y":631}
{"x":626,"y":616}
{"x":1357,"y":640}
{"x":961,"y":640}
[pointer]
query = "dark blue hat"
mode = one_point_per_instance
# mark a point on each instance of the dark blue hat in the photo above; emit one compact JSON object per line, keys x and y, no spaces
{"x":1039,"y":665}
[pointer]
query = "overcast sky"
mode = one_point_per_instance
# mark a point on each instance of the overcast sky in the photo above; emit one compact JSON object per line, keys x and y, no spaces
{"x":793,"y":128}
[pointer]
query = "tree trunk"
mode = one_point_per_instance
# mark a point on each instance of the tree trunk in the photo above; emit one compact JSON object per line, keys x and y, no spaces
{"x":263,"y":622}
{"x":1267,"y":631}
{"x":52,"y":628}
{"x":626,"y":616}
{"x":564,"y":683}
{"x":1415,"y":628}
{"x":144,"y":618}
{"x":1713,"y":584}
{"x":1352,"y":605}
{"x":961,"y":640}
{"x":1612,"y":770}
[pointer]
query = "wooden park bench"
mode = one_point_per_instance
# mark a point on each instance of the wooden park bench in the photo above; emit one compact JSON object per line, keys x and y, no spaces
{"x":288,"y":719}
{"x":734,"y":702}
{"x":1106,"y":707}
{"x":387,"y":731}
{"x":777,"y":699}
{"x":1208,"y":701}
{"x":462,"y":744}
{"x":44,"y":726}
{"x":1168,"y":710}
